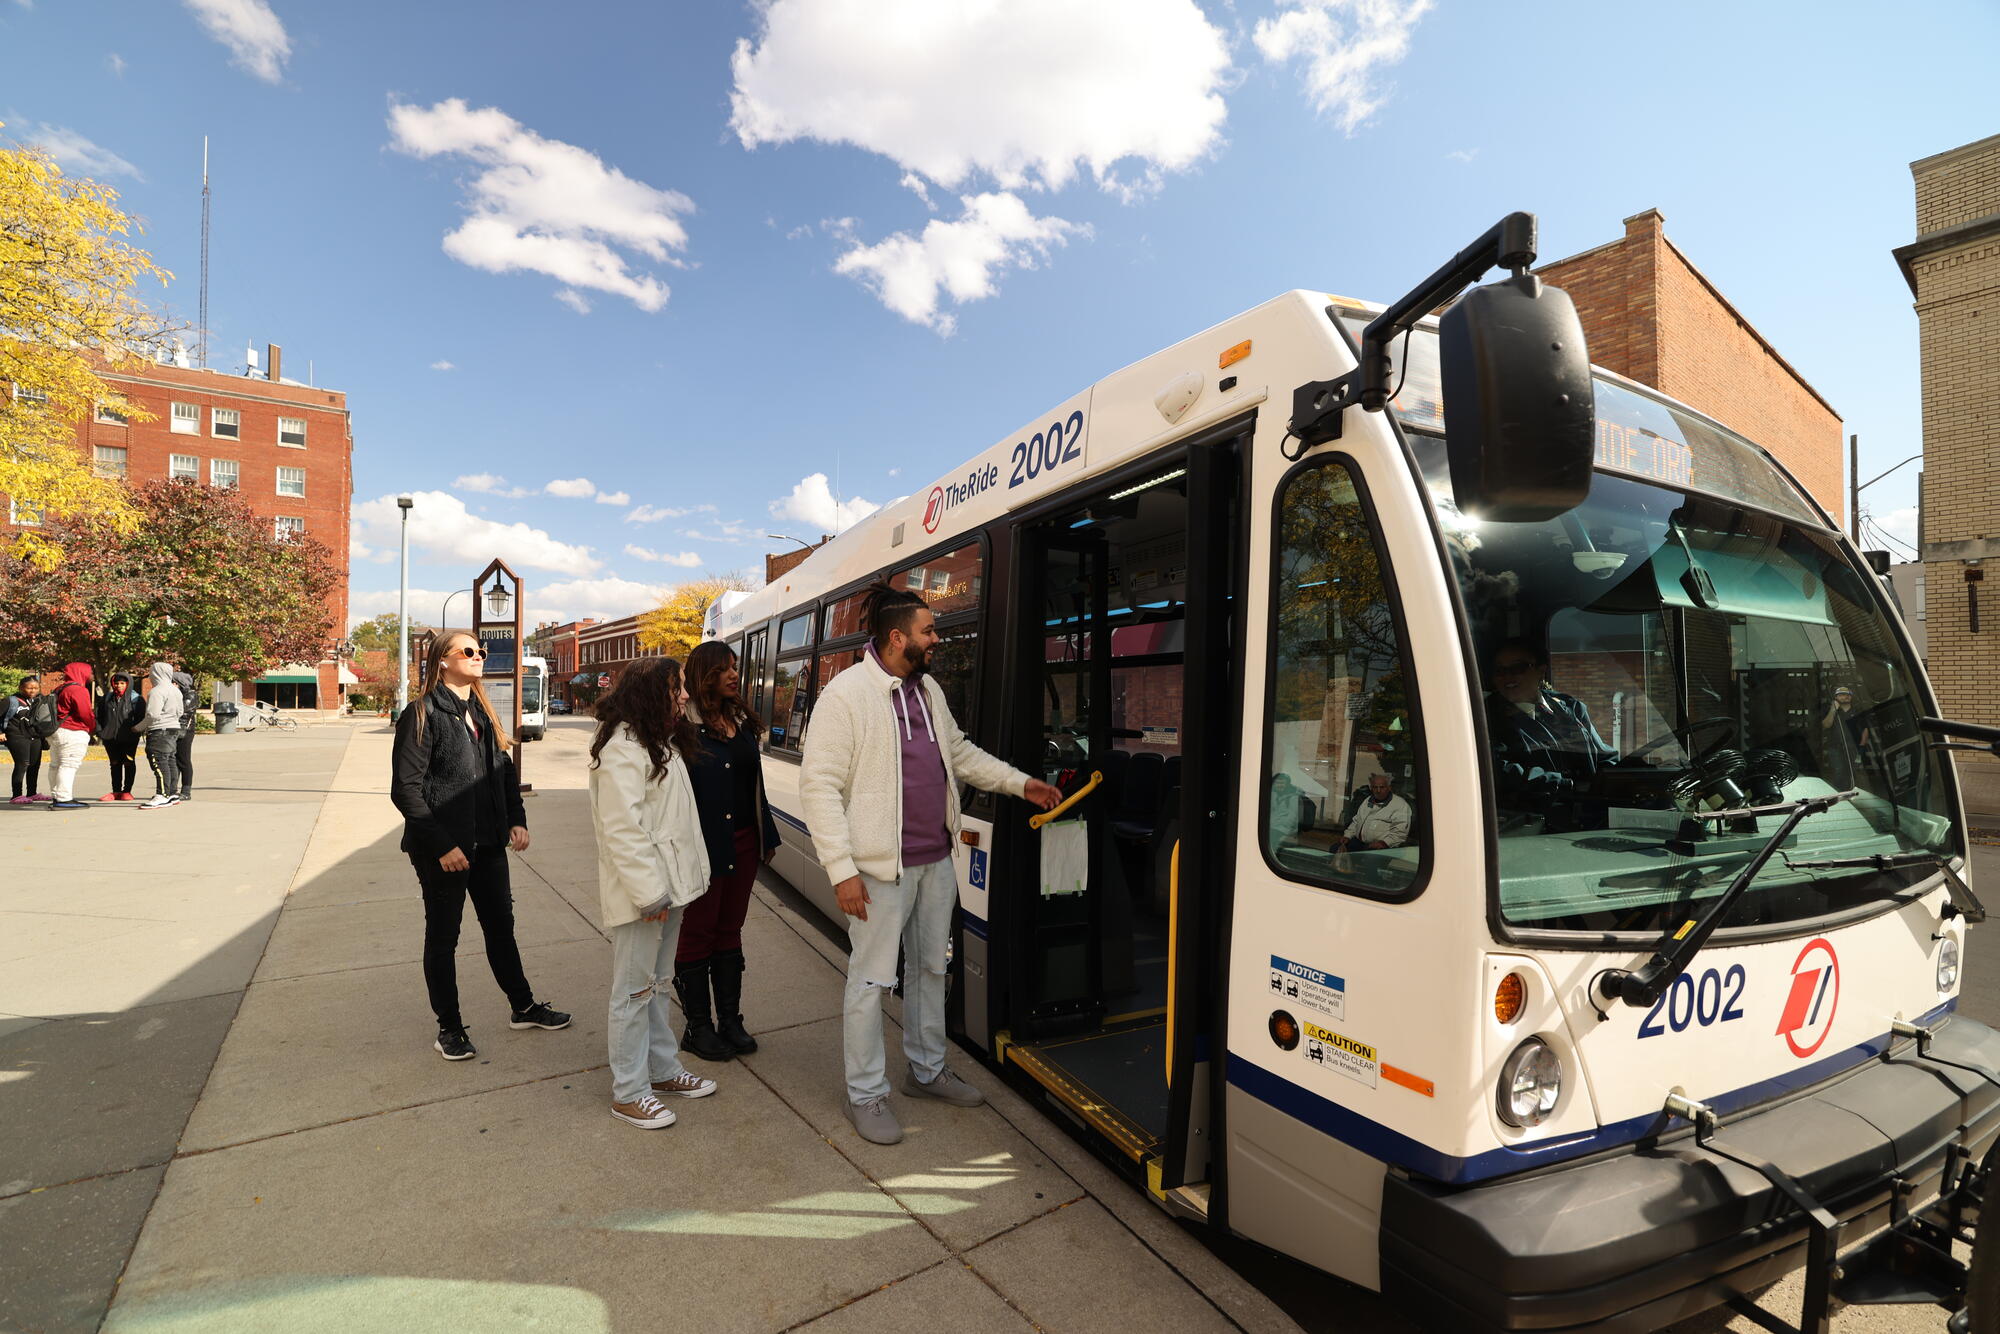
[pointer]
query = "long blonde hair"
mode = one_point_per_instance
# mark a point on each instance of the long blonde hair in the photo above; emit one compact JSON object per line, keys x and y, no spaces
{"x":434,"y":677}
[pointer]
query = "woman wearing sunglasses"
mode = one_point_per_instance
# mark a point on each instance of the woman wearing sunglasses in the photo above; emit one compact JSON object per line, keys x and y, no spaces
{"x":461,"y":803}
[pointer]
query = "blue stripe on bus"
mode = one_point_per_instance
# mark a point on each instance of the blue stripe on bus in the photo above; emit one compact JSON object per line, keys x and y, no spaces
{"x":1390,"y":1146}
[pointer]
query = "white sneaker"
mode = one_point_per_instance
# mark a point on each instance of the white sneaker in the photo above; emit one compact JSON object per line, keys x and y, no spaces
{"x":646,"y":1112}
{"x":154,"y":803}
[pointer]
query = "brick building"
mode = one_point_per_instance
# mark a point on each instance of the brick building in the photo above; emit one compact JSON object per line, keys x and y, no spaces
{"x":1953,"y":268}
{"x":288,"y":447}
{"x":1651,"y":316}
{"x":560,"y":645}
{"x":606,"y":648}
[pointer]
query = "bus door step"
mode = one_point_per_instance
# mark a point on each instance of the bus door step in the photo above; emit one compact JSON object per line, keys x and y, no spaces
{"x":1127,"y":1135}
{"x":1189,"y":1202}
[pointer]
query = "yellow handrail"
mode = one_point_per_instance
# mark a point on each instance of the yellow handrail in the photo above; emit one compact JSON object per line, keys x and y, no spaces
{"x":1041,"y":818}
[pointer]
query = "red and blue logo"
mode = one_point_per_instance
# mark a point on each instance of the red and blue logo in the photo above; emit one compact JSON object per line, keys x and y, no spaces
{"x":1815,"y":995}
{"x":934,"y":510}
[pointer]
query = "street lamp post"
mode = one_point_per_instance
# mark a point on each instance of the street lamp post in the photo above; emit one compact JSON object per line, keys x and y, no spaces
{"x":1858,"y":486}
{"x":444,"y":617}
{"x":403,"y":503}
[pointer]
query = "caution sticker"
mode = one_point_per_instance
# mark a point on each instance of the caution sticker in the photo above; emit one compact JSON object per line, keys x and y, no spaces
{"x":1311,"y":987}
{"x":1336,"y":1051}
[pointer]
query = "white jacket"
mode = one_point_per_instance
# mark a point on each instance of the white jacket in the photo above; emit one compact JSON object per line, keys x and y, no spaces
{"x":851,"y":782}
{"x":650,"y":853}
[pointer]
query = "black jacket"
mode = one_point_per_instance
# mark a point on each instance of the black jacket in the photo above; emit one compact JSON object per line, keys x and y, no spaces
{"x":436,"y":779}
{"x":715,"y":799}
{"x":118,"y":719}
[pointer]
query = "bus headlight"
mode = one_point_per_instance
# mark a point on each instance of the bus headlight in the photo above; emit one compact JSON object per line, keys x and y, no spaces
{"x":1530,"y":1084}
{"x":1947,"y":972}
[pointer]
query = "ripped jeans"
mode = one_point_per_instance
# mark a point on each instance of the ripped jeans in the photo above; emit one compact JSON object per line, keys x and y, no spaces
{"x":643,"y":1048}
{"x":914,"y":910}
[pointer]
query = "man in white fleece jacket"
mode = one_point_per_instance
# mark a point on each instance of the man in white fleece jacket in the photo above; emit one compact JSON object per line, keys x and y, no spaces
{"x":883,"y":761}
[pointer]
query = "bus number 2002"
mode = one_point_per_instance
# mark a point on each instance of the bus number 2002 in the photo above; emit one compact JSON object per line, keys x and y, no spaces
{"x":1716,"y":999}
{"x":1047,"y":450}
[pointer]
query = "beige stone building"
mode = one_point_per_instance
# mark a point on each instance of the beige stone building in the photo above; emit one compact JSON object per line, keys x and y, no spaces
{"x":1953,"y":268}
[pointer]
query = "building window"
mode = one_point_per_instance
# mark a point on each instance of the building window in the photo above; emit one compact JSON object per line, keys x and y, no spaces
{"x":184,"y":468}
{"x":186,"y":419}
{"x":292,"y":482}
{"x":226,"y":423}
{"x":110,"y":416}
{"x":108,"y":460}
{"x":222,"y":473}
{"x":285,"y":527}
{"x":25,"y":395}
{"x":292,"y":431}
{"x":23,"y":513}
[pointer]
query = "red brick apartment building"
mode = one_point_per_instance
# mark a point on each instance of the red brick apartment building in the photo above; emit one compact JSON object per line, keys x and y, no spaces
{"x":608,"y":647}
{"x":559,"y":645}
{"x":288,"y":447}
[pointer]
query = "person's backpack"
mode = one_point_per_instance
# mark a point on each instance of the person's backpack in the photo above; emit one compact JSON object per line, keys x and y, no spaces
{"x":42,"y":716}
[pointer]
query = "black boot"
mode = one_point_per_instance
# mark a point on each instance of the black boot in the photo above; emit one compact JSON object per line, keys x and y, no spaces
{"x":725,"y":973}
{"x":691,"y":985}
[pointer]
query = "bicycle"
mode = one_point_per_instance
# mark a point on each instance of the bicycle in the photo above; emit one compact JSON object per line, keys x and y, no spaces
{"x":257,"y":714}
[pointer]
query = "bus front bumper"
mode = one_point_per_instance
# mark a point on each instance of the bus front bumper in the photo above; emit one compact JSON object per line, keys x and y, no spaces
{"x":1639,"y":1239}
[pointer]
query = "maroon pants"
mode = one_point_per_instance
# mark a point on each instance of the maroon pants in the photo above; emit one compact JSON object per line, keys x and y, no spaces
{"x":714,"y":922}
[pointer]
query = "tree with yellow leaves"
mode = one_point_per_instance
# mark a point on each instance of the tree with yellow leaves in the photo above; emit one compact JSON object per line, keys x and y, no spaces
{"x":68,"y":308}
{"x":674,"y":627}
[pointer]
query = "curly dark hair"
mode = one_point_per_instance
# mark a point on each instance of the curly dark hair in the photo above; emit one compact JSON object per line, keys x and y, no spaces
{"x":889,"y":608}
{"x":645,"y":700}
{"x":705,"y":666}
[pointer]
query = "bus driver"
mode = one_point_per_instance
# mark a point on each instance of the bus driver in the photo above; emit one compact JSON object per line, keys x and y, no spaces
{"x":1544,"y":744}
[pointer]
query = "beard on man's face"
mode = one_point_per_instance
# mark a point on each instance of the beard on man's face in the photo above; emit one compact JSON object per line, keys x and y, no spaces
{"x":918,"y":660}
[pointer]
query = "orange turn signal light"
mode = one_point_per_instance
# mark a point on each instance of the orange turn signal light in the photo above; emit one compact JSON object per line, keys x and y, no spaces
{"x":1509,"y":998}
{"x":1233,"y":355}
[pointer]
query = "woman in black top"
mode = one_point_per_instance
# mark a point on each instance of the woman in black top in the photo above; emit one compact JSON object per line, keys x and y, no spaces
{"x":461,"y":804}
{"x":737,"y":828}
{"x":24,"y":744}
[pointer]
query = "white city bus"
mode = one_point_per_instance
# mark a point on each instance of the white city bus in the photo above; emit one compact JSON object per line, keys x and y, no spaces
{"x":534,"y":697}
{"x":1653,"y":1004}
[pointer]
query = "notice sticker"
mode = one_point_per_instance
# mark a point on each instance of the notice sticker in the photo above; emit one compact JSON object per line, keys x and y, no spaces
{"x":1357,"y":1060}
{"x":1310,"y":987}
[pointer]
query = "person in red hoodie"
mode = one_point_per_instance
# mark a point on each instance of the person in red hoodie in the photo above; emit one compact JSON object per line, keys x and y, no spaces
{"x":76,"y":723}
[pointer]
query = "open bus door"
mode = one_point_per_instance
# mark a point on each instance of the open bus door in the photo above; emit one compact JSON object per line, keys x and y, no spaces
{"x":1116,"y":911}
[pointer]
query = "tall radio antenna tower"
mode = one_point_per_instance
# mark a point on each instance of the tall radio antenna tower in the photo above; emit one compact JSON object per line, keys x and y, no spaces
{"x":202,"y":346}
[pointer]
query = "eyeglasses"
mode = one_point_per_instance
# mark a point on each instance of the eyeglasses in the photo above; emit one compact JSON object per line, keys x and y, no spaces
{"x":471,"y":652}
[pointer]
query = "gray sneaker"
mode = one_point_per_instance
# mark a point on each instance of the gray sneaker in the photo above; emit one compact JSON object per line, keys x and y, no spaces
{"x":874,"y":1122}
{"x":947,"y":1087}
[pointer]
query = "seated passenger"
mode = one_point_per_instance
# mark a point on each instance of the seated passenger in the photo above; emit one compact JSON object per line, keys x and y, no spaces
{"x":1381,"y":821}
{"x":1544,"y":744}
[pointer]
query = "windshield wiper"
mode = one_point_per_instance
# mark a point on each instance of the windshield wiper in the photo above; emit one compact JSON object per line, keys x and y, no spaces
{"x":1964,"y":902}
{"x":1647,"y":983}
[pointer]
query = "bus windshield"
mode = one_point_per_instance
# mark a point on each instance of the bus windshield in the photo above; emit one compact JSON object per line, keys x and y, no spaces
{"x":1688,"y":641}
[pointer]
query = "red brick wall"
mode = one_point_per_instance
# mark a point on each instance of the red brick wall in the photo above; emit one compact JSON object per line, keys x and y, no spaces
{"x":1650,"y":316}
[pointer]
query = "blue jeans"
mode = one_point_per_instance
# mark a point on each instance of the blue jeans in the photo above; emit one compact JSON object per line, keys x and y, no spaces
{"x":643,"y":1047}
{"x":915,"y":910}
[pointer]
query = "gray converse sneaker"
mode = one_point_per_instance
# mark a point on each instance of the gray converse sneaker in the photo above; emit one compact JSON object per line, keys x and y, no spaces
{"x":947,"y":1087}
{"x":874,"y":1122}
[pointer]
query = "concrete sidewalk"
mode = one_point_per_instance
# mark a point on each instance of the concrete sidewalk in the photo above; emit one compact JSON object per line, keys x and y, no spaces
{"x":335,"y":1174}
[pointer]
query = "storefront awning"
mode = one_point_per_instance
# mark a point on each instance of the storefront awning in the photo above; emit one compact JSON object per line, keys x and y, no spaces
{"x":348,"y":678}
{"x":580,"y":679}
{"x":288,"y":678}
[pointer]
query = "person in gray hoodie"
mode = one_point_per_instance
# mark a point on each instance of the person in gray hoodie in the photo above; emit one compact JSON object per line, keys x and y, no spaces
{"x":162,"y":726}
{"x":184,"y":752}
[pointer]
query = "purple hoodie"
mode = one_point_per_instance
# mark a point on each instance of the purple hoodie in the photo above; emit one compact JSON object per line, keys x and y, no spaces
{"x":926,"y":837}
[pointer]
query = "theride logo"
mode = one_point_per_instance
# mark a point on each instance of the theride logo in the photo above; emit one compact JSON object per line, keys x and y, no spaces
{"x":948,"y":494}
{"x":1815,"y":995}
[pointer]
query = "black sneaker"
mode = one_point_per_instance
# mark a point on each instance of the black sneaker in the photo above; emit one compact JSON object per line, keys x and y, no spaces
{"x":453,"y":1045}
{"x":539,"y":1015}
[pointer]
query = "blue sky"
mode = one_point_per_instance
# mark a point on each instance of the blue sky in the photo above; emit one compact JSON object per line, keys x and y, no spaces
{"x":717,"y":257}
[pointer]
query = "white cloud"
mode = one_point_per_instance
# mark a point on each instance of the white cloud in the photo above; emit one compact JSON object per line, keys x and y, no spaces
{"x":1124,"y":92}
{"x":77,"y":155}
{"x":116,"y":64}
{"x":425,"y":605}
{"x":443,"y":366}
{"x":607,"y":599}
{"x":812,"y":502}
{"x":1343,"y":44}
{"x":613,"y":498}
{"x":489,"y":484}
{"x":895,"y":472}
{"x":257,"y":42}
{"x":655,"y":513}
{"x":729,"y":531}
{"x":685,"y":559}
{"x":1462,"y":154}
{"x":1028,"y":93}
{"x":958,"y":260}
{"x":545,"y":206}
{"x":441,"y":525}
{"x":1900,"y":524}
{"x":572,"y":488}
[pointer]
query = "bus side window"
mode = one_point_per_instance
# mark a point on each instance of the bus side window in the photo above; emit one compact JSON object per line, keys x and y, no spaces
{"x":1343,"y":800}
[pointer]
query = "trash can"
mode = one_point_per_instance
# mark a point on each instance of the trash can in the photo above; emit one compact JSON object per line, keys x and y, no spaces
{"x":225,"y":716}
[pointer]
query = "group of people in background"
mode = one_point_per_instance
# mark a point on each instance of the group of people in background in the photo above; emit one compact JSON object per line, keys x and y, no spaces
{"x":681,"y":821}
{"x":61,"y":720}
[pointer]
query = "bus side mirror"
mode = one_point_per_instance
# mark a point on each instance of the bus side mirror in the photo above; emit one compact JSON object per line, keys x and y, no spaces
{"x":1517,"y":397}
